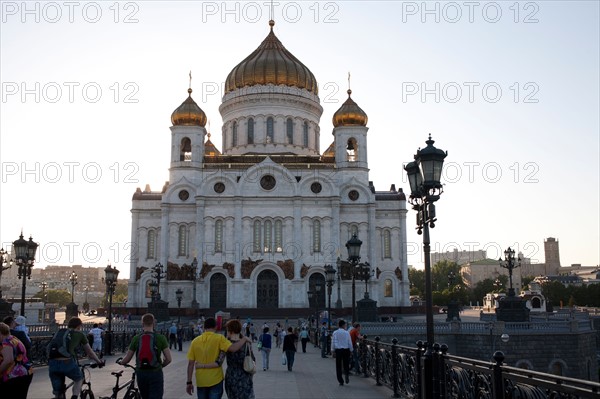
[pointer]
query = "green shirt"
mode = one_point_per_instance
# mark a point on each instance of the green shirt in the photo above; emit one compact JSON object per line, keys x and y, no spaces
{"x":161,"y":344}
{"x":77,"y":338}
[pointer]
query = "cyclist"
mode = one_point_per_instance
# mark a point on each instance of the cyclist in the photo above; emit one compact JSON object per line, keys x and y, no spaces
{"x":61,"y":367}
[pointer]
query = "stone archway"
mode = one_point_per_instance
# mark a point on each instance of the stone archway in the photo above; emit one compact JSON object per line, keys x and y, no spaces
{"x":267,"y":290}
{"x":218,"y":291}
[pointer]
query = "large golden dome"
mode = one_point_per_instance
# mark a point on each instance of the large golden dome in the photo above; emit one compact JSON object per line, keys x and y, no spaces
{"x":271,"y":63}
{"x":350,"y":114}
{"x":188,"y":113}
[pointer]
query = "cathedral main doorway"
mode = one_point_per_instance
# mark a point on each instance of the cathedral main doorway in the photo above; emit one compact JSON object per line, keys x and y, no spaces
{"x":267,"y":290}
{"x":218,"y":291}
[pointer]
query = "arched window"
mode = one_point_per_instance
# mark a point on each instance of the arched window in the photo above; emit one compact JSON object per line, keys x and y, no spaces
{"x":278,"y":236}
{"x":257,"y":236}
{"x":305,"y":134}
{"x":352,"y":150}
{"x":234,"y":139}
{"x":388,"y":290}
{"x":316,"y":236}
{"x":182,"y":241}
{"x":387,"y":244}
{"x":290,"y":131}
{"x":151,"y":247}
{"x":251,"y":131}
{"x":270,"y":131}
{"x":185,"y":149}
{"x":219,"y":236}
{"x":267,"y":236}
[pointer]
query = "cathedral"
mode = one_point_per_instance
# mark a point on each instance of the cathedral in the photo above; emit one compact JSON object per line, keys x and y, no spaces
{"x":254,"y":225}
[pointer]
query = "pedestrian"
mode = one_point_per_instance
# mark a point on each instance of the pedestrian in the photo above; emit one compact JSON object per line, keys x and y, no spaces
{"x":265,"y":341}
{"x":61,"y":366}
{"x":324,"y":336}
{"x":238,"y":382}
{"x":341,"y":344}
{"x":289,"y":347}
{"x":21,"y":326}
{"x":252,"y":332}
{"x":150,"y":378}
{"x":15,"y":368}
{"x":97,"y":333}
{"x":303,"y":338}
{"x":277,"y":335}
{"x":173,"y":336}
{"x":11,"y":323}
{"x":180,"y":338}
{"x":355,"y":335}
{"x":204,"y":356}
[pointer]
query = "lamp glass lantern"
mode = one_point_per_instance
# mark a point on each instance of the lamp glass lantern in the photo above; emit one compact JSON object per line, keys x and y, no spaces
{"x":431,"y":161}
{"x":353,"y":246}
{"x":415,"y":178}
{"x":179,"y":294}
{"x":329,"y":275}
{"x":21,"y":247}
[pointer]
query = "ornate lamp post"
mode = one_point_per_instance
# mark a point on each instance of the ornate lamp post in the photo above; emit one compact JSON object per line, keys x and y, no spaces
{"x":510,"y":263}
{"x":179,"y":296}
{"x":72,"y":310}
{"x":338,"y":264}
{"x":158,"y":274}
{"x":365,"y":272}
{"x":111,"y":275}
{"x":353,"y":247}
{"x":194,"y":279}
{"x":5,"y":307}
{"x":329,"y":280}
{"x":512,"y":308}
{"x":318,"y":287}
{"x":424,"y":175}
{"x":25,"y":254}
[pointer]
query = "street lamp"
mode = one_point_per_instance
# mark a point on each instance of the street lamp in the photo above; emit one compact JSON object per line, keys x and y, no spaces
{"x":194,"y":279}
{"x":338,"y":264}
{"x":510,"y":263}
{"x":318,"y":287}
{"x":158,"y":274}
{"x":111,"y":275}
{"x":424,"y":175}
{"x":86,"y":305}
{"x":25,"y":254}
{"x":353,"y":247}
{"x":5,"y":307}
{"x":73,"y":280}
{"x":330,"y":280}
{"x":179,"y":296}
{"x":365,"y":273}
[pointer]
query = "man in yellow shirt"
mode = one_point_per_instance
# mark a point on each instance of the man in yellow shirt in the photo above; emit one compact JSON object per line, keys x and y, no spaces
{"x":205,"y":350}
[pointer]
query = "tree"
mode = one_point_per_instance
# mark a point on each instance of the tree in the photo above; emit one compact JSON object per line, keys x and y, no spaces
{"x":60,"y":297}
{"x":417,"y":281}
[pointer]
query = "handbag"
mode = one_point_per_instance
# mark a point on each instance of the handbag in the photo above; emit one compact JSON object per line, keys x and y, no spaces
{"x":249,"y":363}
{"x":283,"y":359}
{"x":259,"y":344}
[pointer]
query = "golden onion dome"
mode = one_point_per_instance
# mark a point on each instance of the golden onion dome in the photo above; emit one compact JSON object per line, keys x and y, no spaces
{"x":271,"y":63}
{"x":350,"y":114}
{"x":188,"y":113}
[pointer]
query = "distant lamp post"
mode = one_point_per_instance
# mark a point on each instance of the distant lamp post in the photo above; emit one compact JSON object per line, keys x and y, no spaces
{"x":158,"y":307}
{"x":318,"y":288}
{"x":497,"y":285}
{"x":25,"y":254}
{"x":504,"y":338}
{"x":453,"y":312}
{"x":512,"y":308}
{"x":194,"y":280}
{"x":365,"y":273}
{"x":329,"y":280}
{"x":5,"y":307}
{"x":353,"y":247}
{"x":179,"y":296}
{"x":86,"y":305}
{"x":510,"y":263}
{"x":72,"y":310}
{"x":424,"y":175}
{"x":338,"y":264}
{"x":111,"y":276}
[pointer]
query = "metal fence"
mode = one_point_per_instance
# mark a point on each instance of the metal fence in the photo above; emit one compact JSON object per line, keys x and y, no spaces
{"x":401,"y":369}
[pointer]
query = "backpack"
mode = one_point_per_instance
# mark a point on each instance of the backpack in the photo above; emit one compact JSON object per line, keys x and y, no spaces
{"x":59,"y":344}
{"x":147,"y":352}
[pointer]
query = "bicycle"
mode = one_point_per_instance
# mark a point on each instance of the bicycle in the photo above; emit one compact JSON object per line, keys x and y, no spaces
{"x":86,"y":387}
{"x":132,"y":391}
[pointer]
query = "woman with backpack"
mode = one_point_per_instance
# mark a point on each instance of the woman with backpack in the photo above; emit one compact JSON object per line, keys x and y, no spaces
{"x":264,"y":345}
{"x":15,"y":369}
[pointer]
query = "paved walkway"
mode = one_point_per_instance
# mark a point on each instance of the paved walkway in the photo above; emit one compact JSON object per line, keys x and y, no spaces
{"x":313,"y":377}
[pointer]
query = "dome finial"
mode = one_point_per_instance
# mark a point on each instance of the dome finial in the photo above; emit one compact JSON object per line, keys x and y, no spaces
{"x":271,"y":24}
{"x":190,"y":87}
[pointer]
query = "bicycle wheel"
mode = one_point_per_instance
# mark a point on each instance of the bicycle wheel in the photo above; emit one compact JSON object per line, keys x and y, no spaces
{"x":132,"y":394}
{"x":87,"y":394}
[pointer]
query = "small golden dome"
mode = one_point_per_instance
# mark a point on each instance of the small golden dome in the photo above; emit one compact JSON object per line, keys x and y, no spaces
{"x":330,"y":151}
{"x":209,"y":148}
{"x":188,"y":113}
{"x":350,"y":114}
{"x":271,"y":63}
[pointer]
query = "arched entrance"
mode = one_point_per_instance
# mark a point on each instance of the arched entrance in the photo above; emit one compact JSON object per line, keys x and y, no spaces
{"x":267,"y":290}
{"x":218,"y":291}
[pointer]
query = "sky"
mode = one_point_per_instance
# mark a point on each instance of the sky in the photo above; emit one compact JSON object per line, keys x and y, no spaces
{"x":509,"y":89}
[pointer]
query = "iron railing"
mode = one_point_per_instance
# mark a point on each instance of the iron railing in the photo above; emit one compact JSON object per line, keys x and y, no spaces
{"x":401,"y":369}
